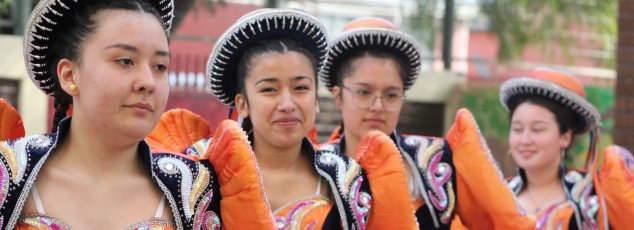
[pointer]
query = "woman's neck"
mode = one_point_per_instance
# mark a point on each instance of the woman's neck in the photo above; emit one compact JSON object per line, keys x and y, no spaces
{"x":352,"y":142}
{"x":93,"y":153}
{"x":271,"y":157}
{"x":542,"y":178}
{"x":542,"y":190}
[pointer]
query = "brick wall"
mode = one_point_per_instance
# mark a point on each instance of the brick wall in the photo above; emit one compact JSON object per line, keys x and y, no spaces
{"x":624,"y":106}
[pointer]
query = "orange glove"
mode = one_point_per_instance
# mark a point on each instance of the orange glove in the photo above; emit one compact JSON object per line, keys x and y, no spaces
{"x":177,"y":130}
{"x":243,"y":204}
{"x":11,"y":126}
{"x":617,"y":186}
{"x":483,"y":199}
{"x":391,"y":203}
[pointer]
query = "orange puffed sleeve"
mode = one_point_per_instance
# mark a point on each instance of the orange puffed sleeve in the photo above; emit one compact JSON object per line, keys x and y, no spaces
{"x":243,"y":204}
{"x":177,"y":130}
{"x":483,"y":199}
{"x":617,"y":186}
{"x":11,"y":126}
{"x":391,"y":203}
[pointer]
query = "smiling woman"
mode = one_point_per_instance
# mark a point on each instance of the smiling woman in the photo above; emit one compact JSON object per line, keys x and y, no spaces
{"x":548,"y":110}
{"x":109,"y":60}
{"x":266,"y":66}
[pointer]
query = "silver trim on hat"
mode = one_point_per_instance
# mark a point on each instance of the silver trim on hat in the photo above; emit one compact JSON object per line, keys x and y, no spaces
{"x":372,"y":36}
{"x":262,"y":21}
{"x":44,"y":19}
{"x":524,"y":86}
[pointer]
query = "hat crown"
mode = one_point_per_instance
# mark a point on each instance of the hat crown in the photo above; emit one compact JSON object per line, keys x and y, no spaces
{"x":560,"y":78}
{"x":369,"y":22}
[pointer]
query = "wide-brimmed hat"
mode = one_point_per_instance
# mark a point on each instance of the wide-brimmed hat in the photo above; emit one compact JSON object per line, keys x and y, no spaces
{"x":366,"y":34}
{"x":556,"y":85}
{"x":252,"y":28}
{"x":47,"y":19}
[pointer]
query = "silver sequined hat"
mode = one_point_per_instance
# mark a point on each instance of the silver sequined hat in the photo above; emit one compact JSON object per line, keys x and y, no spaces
{"x":371,"y":33}
{"x":555,"y":85}
{"x":222,"y":65}
{"x":50,"y":16}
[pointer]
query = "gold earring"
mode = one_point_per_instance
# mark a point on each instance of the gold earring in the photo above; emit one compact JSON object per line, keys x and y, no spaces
{"x":72,"y":87}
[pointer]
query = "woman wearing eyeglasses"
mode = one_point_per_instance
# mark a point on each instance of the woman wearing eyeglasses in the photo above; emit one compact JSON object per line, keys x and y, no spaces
{"x":368,"y":69}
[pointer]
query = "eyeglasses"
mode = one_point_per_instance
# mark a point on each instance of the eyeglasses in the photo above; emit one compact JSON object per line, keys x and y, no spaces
{"x":364,"y":98}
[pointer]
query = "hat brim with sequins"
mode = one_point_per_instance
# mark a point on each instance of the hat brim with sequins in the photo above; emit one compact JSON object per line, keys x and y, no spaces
{"x":555,"y":85}
{"x":262,"y":24}
{"x":46,"y":20}
{"x":366,"y":34}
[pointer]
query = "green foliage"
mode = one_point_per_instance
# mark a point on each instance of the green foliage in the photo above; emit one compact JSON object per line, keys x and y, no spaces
{"x":485,"y":105}
{"x":520,"y":23}
{"x":423,"y":22}
{"x":5,"y":6}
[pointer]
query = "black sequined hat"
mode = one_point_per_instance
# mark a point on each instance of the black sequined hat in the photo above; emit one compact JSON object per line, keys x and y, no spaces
{"x":371,"y":33}
{"x":555,"y":85}
{"x":222,"y":65}
{"x":50,"y":16}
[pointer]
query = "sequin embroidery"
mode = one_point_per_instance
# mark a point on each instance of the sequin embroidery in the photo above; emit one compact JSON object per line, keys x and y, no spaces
{"x":439,"y":190}
{"x":201,"y":183}
{"x":44,"y":222}
{"x":348,"y":182}
{"x":361,"y":202}
{"x":173,"y":166}
{"x":206,"y":220}
{"x":295,"y":217}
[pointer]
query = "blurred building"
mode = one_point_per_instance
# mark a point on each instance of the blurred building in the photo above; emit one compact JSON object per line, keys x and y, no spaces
{"x":16,"y":87}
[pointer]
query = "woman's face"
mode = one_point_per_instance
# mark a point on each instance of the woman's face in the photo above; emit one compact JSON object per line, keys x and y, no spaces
{"x":121,"y":76}
{"x":369,"y":79}
{"x":280,"y":97}
{"x":534,"y":137}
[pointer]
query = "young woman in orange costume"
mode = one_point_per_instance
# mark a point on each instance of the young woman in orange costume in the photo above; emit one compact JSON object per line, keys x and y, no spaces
{"x":368,"y":69}
{"x":109,"y":60}
{"x":548,"y":110}
{"x":266,"y":66}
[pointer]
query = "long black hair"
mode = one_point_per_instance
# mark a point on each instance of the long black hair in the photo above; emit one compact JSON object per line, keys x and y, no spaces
{"x":67,"y":43}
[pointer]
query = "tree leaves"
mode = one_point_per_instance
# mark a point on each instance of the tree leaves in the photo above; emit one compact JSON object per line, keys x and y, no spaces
{"x":520,"y":23}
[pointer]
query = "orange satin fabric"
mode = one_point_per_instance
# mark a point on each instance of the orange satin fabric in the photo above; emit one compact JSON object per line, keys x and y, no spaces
{"x":243,"y":204}
{"x":391,"y":204}
{"x":617,"y":186}
{"x":11,"y":126}
{"x":483,"y":199}
{"x":177,"y":130}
